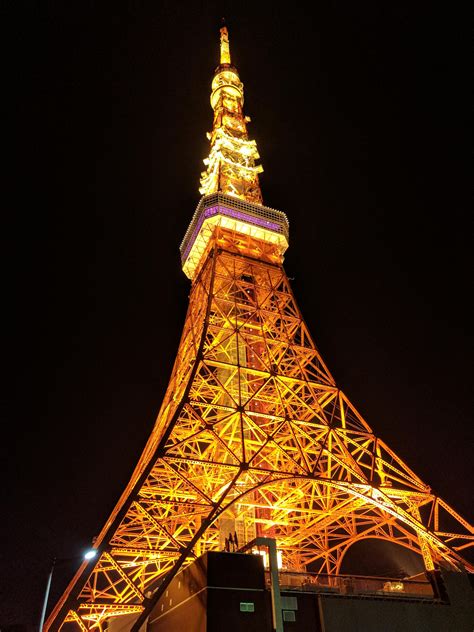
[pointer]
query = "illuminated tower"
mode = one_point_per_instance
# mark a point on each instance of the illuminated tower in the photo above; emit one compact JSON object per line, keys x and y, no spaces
{"x":253,"y":437}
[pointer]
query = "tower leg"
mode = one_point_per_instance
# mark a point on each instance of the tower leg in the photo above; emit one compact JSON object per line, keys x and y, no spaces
{"x":425,"y":549}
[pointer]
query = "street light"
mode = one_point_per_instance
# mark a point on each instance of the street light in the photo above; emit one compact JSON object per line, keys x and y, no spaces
{"x":88,"y":555}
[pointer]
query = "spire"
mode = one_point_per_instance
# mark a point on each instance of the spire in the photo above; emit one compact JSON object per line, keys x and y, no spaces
{"x":231,"y":167}
{"x":225,"y":48}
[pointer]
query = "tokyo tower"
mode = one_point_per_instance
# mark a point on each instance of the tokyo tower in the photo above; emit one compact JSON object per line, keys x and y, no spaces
{"x":253,"y":436}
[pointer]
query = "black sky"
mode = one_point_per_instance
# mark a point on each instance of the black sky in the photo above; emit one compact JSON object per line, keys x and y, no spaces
{"x":361,"y":113}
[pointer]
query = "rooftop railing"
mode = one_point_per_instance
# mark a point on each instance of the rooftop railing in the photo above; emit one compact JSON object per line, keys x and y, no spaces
{"x":355,"y":585}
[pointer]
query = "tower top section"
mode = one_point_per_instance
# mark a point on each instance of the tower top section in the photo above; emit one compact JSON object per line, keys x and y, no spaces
{"x":231,"y":166}
{"x":231,"y":211}
{"x":225,"y":48}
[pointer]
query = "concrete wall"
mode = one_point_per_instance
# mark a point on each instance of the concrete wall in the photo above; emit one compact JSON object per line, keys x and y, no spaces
{"x":207,"y":596}
{"x":124,"y":623}
{"x":371,"y":615}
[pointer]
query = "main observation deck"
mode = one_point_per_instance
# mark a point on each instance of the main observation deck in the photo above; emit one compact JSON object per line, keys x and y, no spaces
{"x":253,"y":220}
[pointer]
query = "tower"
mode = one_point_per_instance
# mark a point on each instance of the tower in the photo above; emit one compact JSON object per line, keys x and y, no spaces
{"x":253,"y":437}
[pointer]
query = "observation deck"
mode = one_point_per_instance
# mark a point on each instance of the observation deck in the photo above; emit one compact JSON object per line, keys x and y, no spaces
{"x":252,"y":220}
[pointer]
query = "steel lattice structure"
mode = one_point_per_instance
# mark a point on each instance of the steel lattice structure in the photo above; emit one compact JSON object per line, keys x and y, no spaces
{"x":253,"y":436}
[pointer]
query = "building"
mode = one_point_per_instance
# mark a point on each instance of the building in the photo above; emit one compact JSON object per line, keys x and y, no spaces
{"x":232,"y":592}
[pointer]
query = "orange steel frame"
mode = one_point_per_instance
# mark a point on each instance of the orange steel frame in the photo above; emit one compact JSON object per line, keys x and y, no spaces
{"x":253,"y":429}
{"x":253,"y":436}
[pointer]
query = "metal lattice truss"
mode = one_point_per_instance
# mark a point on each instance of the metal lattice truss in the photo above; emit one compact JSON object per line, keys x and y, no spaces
{"x":254,"y":436}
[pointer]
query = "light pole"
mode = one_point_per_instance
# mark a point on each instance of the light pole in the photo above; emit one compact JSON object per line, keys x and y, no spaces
{"x":88,"y":555}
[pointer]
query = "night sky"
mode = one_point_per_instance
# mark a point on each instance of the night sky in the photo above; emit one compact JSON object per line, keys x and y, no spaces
{"x":362,"y":117}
